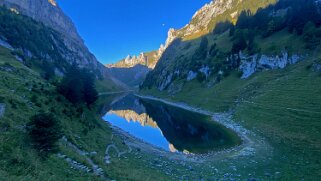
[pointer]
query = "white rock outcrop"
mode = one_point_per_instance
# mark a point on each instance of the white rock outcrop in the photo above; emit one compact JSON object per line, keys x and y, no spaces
{"x":206,"y":71}
{"x":5,"y":44}
{"x":251,"y":64}
{"x":191,"y":75}
{"x":166,"y":82}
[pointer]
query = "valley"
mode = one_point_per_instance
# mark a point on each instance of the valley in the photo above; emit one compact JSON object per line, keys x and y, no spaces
{"x":235,"y":94}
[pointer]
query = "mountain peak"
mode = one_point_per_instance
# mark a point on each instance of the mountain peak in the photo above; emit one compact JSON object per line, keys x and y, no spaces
{"x":52,"y":2}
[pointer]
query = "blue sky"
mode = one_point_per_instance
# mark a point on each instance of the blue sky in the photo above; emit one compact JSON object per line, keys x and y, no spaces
{"x":112,"y":29}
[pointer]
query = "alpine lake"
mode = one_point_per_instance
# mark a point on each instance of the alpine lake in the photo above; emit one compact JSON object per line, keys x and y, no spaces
{"x":169,"y":128}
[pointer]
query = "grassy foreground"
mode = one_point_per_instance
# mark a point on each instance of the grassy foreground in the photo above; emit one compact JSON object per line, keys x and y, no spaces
{"x":283,"y":106}
{"x":24,"y":94}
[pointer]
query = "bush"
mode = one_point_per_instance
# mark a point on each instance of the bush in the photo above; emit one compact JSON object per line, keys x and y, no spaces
{"x":34,"y":99}
{"x":201,"y":52}
{"x":2,"y":99}
{"x":311,"y":35}
{"x":222,"y":27}
{"x":78,"y":86}
{"x":239,"y":42}
{"x":44,"y":131}
{"x":48,"y":70}
{"x":213,"y":50}
{"x":13,"y":104}
{"x":201,"y":77}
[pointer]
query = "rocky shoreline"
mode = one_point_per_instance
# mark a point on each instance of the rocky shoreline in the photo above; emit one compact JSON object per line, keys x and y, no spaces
{"x":250,"y":142}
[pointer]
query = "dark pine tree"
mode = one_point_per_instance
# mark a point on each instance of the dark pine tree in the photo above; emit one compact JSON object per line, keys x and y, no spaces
{"x":89,"y":92}
{"x":44,"y":131}
{"x":71,"y":85}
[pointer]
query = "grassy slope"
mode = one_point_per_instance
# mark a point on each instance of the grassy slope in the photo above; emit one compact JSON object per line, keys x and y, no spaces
{"x":18,"y":160}
{"x":282,"y":105}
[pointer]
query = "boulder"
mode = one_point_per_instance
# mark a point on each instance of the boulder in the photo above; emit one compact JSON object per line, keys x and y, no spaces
{"x":191,"y":75}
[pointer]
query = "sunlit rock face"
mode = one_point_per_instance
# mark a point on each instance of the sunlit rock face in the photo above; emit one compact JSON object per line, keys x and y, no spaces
{"x":172,"y":148}
{"x":131,"y":61}
{"x":201,"y":19}
{"x":131,"y":115}
{"x":200,"y":22}
{"x":148,"y":59}
{"x":52,"y":2}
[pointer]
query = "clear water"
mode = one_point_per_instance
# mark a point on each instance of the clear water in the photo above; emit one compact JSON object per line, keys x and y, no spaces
{"x":169,"y":128}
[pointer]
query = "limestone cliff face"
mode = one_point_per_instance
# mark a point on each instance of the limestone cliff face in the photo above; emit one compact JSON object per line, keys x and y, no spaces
{"x":131,"y":61}
{"x":200,"y":22}
{"x":49,"y":13}
{"x":251,"y":64}
{"x":148,"y":59}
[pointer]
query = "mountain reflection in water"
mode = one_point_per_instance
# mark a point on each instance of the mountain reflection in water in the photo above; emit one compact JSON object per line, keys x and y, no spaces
{"x":168,"y":127}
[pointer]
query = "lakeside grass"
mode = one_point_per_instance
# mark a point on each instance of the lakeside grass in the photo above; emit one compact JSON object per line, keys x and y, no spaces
{"x":283,"y":106}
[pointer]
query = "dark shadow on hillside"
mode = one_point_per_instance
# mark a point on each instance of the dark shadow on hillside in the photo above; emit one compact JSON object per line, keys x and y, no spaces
{"x":212,"y":57}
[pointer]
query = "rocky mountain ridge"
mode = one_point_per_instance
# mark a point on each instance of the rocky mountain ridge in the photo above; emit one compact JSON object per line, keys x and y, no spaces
{"x":205,"y":19}
{"x":214,"y":56}
{"x":203,"y":22}
{"x":49,"y":13}
{"x":200,"y":22}
{"x":148,"y":59}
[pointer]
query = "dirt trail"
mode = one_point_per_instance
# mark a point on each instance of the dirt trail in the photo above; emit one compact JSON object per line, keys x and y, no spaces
{"x":95,"y":168}
{"x":117,"y":92}
{"x":119,"y":153}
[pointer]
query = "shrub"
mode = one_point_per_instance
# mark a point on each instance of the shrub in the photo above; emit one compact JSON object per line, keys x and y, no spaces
{"x":311,"y":35}
{"x":48,"y":70}
{"x":44,"y":131}
{"x":2,"y":99}
{"x":239,"y":42}
{"x":13,"y":104}
{"x":78,"y":86}
{"x":34,"y":99}
{"x":222,"y":27}
{"x":201,"y":77}
{"x":201,"y":52}
{"x":38,"y":104}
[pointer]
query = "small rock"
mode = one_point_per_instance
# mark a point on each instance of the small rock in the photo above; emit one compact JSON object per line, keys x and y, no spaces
{"x":2,"y":109}
{"x":267,"y":174}
{"x":93,"y":153}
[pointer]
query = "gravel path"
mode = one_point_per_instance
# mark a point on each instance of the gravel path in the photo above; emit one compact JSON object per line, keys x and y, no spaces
{"x":119,"y":153}
{"x":95,"y":168}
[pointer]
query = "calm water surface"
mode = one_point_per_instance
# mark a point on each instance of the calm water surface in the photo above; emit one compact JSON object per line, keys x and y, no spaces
{"x":169,"y":128}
